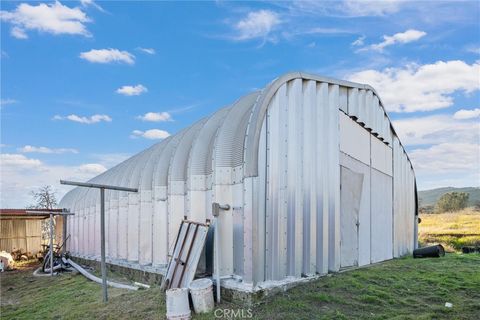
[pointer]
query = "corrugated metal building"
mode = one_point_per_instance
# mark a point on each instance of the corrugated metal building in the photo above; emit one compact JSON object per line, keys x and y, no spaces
{"x":314,"y":173}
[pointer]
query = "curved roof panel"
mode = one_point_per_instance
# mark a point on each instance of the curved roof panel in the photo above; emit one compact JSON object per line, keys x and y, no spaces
{"x":228,"y":138}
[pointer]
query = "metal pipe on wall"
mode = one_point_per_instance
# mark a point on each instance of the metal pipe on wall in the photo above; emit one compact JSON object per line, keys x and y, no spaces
{"x":102,"y":242}
{"x":216,"y":207}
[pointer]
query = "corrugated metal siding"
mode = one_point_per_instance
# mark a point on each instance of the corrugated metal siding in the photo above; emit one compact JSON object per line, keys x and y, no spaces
{"x":273,"y":156}
{"x":404,"y":202}
{"x":381,"y":216}
{"x":302,"y":183}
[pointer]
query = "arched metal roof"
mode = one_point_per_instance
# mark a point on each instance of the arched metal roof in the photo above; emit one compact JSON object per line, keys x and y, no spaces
{"x":227,"y":139}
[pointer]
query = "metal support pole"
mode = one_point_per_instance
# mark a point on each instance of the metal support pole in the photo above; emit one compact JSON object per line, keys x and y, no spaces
{"x":217,"y":259}
{"x":102,"y":188}
{"x":102,"y":242}
{"x":64,"y":233}
{"x":216,"y":207}
{"x":51,"y":244}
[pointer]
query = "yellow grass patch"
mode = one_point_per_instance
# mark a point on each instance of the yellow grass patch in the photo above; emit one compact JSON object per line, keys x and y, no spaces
{"x":453,"y":229}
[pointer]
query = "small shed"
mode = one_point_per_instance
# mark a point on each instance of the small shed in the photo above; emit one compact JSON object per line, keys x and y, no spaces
{"x":22,"y":231}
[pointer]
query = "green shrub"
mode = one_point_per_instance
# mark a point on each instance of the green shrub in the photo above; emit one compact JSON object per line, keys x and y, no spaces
{"x":452,"y":201}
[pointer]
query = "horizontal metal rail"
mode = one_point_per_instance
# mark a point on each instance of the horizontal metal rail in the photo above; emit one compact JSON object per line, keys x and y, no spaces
{"x":55,"y":213}
{"x":96,"y":185}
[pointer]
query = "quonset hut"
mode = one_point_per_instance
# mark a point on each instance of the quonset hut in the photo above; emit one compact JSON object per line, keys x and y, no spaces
{"x":316,"y":178}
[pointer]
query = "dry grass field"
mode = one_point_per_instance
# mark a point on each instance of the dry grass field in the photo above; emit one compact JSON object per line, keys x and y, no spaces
{"x":453,"y":229}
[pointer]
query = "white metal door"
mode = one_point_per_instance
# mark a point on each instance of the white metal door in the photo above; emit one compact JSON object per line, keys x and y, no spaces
{"x":350,"y":197}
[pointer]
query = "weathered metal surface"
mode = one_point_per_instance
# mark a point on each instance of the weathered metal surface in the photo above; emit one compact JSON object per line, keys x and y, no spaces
{"x":185,"y":254}
{"x":381,"y":217}
{"x":405,"y":221}
{"x":364,"y":211}
{"x":350,"y":197}
{"x":274,"y":157}
{"x":359,"y":147}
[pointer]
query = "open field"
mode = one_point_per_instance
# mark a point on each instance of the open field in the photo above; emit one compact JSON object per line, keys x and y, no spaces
{"x":398,"y":289}
{"x":453,"y":229}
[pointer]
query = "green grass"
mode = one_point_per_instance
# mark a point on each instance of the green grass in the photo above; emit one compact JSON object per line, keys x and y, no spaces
{"x":398,"y":289}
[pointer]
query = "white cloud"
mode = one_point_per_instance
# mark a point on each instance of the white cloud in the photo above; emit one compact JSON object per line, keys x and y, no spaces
{"x":150,"y":134}
{"x":421,"y":87}
{"x":401,"y":37}
{"x":19,"y":161}
{"x":447,"y":164}
{"x":91,"y":169}
{"x":21,"y":175}
{"x":291,"y":31}
{"x":88,"y":3}
{"x":348,"y":8}
{"x":444,"y":151}
{"x":110,"y":159}
{"x":447,"y":157}
{"x":18,"y":33}
{"x":132,"y":90}
{"x":257,"y":24}
{"x":436,"y":129}
{"x":156,"y":117}
{"x":108,"y":56}
{"x":147,"y":50}
{"x":33,"y":149}
{"x":361,"y":8}
{"x":86,"y":120}
{"x":52,"y":18}
{"x":4,"y":102}
{"x":467,"y":114}
{"x":473,"y":49}
{"x":359,"y":41}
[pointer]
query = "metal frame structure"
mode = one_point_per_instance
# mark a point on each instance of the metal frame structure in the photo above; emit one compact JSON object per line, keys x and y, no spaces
{"x":102,"y":188}
{"x":52,"y":214}
{"x":275,"y":157}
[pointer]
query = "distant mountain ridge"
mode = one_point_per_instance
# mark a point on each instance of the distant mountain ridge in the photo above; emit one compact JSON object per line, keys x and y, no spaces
{"x":430,"y":197}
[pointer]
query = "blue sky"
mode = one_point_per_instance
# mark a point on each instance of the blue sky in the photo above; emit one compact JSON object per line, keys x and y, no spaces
{"x":86,"y":84}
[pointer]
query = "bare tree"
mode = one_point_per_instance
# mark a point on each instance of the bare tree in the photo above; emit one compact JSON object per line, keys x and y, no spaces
{"x":44,"y":198}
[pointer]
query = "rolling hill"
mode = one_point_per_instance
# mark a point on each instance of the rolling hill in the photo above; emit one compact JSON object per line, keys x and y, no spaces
{"x":430,"y":197}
